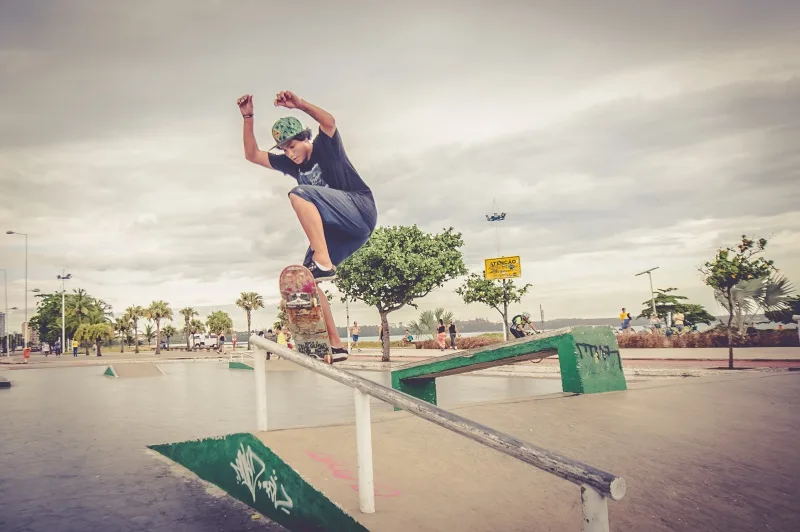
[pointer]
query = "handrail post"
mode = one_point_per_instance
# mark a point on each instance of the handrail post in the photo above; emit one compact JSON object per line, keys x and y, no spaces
{"x":366,"y":486}
{"x":595,"y":510}
{"x":260,"y":370}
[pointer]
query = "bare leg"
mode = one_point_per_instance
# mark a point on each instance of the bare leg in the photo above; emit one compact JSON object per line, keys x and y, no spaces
{"x":311,"y":221}
{"x":333,"y":334}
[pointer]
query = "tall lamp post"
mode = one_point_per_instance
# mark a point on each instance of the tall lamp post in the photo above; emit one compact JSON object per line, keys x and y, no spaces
{"x":63,"y":278}
{"x":26,"y":280}
{"x":5,"y":318}
{"x":652,"y":296}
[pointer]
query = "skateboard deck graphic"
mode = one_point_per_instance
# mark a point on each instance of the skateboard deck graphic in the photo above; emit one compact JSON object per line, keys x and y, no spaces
{"x":300,"y":300}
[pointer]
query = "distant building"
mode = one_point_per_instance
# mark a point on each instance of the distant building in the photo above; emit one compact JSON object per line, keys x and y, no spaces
{"x":33,"y":335}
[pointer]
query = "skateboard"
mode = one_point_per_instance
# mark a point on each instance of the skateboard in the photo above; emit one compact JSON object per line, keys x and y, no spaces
{"x":300,"y":301}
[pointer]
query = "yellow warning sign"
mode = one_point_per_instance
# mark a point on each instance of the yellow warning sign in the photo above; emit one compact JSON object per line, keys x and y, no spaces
{"x":503,"y":268}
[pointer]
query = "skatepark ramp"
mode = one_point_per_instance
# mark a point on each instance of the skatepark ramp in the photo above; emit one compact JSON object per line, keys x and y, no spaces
{"x":268,"y":476}
{"x":588,"y":357}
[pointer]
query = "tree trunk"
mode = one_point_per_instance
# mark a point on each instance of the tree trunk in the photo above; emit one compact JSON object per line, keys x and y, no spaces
{"x":187,"y":333}
{"x":730,"y":331}
{"x":98,"y":347}
{"x":248,"y":330}
{"x":136,"y":336}
{"x":505,"y":313}
{"x":158,"y":337}
{"x":122,"y":343}
{"x":384,"y":336}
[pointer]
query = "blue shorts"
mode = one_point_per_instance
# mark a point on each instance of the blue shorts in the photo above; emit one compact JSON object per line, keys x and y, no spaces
{"x":348,"y":219}
{"x":355,"y":338}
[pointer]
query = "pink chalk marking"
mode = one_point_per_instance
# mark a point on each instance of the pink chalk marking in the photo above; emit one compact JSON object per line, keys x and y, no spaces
{"x":338,"y":471}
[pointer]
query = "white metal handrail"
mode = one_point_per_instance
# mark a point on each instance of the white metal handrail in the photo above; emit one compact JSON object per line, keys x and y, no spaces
{"x":596,"y":485}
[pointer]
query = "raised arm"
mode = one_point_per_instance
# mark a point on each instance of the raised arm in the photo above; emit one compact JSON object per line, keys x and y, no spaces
{"x":251,"y":151}
{"x":292,"y":101}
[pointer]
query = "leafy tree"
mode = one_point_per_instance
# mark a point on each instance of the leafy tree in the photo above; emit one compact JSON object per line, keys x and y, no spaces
{"x":169,"y":331}
{"x":498,"y":294}
{"x":94,"y":333}
{"x":219,"y":322}
{"x":398,"y":265}
{"x":188,"y":313}
{"x":157,"y":311}
{"x":429,"y":321}
{"x":791,"y":308}
{"x":122,"y":327}
{"x":729,"y":268}
{"x":133,"y":314}
{"x":668,"y":302}
{"x":249,"y":301}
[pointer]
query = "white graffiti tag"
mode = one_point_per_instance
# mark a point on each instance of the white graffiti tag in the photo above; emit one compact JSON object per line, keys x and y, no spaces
{"x":246,"y":474}
{"x":271,"y":487}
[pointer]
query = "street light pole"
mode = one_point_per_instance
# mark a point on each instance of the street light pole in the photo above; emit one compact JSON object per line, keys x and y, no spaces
{"x":652,"y":293}
{"x":63,"y":278}
{"x":5,"y":316}
{"x":26,"y":281}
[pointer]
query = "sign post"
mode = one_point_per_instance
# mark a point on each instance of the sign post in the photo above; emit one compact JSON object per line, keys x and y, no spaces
{"x":502,"y":268}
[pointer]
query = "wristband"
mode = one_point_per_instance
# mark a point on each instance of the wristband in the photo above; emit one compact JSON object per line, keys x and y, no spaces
{"x":247,"y":116}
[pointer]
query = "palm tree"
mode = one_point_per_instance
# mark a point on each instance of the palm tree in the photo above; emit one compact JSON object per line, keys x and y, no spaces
{"x":249,"y":301}
{"x":121,"y":327}
{"x":80,"y":305}
{"x":753,"y":295}
{"x":169,"y":331}
{"x":149,"y":333}
{"x":157,"y":311}
{"x":188,"y":313}
{"x":196,"y":327}
{"x":133,"y":314}
{"x":428,"y":321}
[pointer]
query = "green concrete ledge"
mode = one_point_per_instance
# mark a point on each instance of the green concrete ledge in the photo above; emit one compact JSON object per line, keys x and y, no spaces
{"x":241,"y":465}
{"x":238,"y":365}
{"x":588,"y":357}
{"x":109,"y":372}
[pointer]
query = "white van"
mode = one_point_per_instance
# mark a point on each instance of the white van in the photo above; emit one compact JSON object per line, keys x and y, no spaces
{"x":204,"y":341}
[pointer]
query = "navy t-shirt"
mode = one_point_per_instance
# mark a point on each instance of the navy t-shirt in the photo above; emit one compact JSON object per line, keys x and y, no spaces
{"x":328,"y":166}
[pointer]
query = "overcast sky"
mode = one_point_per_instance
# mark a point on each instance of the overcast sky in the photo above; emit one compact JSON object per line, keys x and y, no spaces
{"x":617,"y":136}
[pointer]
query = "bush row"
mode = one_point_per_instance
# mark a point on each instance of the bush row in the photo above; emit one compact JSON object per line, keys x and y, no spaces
{"x":713,"y":338}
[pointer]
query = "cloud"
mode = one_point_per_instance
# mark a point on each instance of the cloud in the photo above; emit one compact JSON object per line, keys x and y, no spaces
{"x":614,"y":138}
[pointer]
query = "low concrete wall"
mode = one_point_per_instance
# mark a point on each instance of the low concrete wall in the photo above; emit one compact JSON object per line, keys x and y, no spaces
{"x":713,"y":353}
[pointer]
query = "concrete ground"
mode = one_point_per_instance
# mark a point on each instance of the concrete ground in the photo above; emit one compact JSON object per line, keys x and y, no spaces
{"x":711,"y":454}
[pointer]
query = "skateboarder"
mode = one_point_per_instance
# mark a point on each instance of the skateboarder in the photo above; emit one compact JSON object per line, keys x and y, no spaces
{"x":333,"y":204}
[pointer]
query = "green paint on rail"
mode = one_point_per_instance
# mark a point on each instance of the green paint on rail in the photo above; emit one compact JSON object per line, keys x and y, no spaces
{"x":110,"y":372}
{"x":247,"y":470}
{"x":238,"y":365}
{"x":588,"y":357}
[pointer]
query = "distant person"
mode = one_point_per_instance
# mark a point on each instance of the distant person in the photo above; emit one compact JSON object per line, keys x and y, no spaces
{"x":519,"y":323}
{"x":74,"y":347}
{"x":624,"y":319}
{"x":452,"y":330}
{"x":408,"y":338}
{"x":678,"y":319}
{"x":355,"y":330}
{"x":221,"y":347}
{"x":441,"y":337}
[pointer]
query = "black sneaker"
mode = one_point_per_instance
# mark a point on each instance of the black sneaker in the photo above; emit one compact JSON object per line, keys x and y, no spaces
{"x":339,"y":354}
{"x":321,"y":275}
